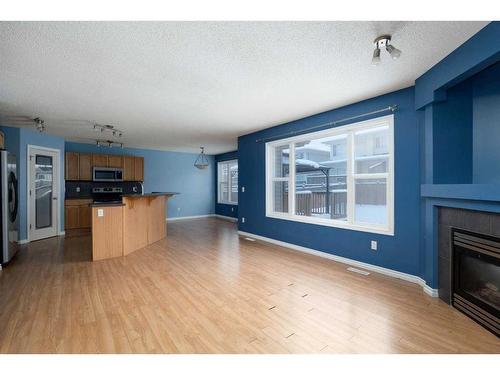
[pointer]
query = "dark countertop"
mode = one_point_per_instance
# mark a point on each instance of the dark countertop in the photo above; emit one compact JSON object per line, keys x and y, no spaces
{"x":153,"y":194}
{"x":111,"y":204}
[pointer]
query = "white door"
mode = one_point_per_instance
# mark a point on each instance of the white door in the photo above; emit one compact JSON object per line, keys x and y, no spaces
{"x":43,"y":193}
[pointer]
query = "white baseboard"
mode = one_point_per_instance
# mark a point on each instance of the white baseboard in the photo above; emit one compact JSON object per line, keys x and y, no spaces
{"x":188,"y":217}
{"x":370,"y":267}
{"x":235,"y":219}
{"x":22,"y":242}
{"x":62,"y":233}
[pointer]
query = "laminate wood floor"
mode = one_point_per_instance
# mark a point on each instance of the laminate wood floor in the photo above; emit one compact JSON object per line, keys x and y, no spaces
{"x":205,"y":290}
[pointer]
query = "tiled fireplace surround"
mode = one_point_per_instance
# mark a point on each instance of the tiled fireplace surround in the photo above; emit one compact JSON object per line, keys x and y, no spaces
{"x":475,"y":221}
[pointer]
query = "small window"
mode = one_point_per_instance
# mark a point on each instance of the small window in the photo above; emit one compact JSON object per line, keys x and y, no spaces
{"x":227,"y":182}
{"x":341,"y":177}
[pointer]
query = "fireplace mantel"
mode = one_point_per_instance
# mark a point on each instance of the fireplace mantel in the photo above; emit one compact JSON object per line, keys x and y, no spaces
{"x":473,"y":192}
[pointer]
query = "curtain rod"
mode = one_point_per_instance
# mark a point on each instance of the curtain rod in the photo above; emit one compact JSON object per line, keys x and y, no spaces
{"x":391,"y":108}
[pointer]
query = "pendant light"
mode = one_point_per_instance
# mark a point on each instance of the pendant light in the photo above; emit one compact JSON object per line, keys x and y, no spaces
{"x":202,"y":160}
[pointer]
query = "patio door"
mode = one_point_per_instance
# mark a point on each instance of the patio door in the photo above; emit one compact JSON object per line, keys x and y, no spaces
{"x":43,"y":192}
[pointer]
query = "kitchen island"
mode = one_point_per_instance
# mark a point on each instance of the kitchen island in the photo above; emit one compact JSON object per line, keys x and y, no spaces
{"x":121,"y":228}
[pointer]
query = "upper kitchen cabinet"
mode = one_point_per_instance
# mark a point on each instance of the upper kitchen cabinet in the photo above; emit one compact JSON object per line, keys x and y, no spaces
{"x":79,"y":165}
{"x":128,"y":168}
{"x":138,"y":168}
{"x":85,"y":167}
{"x":72,"y":165}
{"x":99,"y":160}
{"x":115,"y":161}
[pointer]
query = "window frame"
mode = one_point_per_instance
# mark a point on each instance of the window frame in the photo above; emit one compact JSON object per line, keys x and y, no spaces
{"x":349,"y":130}
{"x":220,"y":200}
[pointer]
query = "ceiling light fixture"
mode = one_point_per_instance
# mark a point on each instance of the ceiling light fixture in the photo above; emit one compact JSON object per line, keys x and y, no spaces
{"x":384,"y":42}
{"x":108,"y":128}
{"x":202,"y":160}
{"x":104,"y":143}
{"x":39,"y":124}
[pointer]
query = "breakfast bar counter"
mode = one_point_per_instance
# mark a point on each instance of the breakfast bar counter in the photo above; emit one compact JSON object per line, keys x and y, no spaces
{"x":119,"y":229}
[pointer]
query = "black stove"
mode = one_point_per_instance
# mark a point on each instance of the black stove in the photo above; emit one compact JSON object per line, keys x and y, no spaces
{"x":107,"y":194}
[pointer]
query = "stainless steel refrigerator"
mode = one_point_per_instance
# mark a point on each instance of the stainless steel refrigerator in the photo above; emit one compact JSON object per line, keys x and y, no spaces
{"x":9,"y":204}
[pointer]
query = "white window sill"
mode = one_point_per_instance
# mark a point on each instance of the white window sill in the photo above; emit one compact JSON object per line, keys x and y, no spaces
{"x":331,"y":223}
{"x":228,"y":203}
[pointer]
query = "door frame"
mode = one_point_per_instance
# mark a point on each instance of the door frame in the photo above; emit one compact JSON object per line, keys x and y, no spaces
{"x":29,"y":149}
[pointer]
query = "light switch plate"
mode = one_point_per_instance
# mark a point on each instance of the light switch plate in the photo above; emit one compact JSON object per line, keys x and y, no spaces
{"x":100,"y":212}
{"x":374,"y":245}
{"x":242,"y":189}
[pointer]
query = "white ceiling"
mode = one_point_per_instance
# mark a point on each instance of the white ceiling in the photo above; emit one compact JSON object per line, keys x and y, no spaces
{"x":180,"y":85}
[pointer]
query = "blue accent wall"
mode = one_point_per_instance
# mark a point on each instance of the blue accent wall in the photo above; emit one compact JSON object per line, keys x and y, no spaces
{"x":477,"y":53}
{"x":17,"y":141}
{"x":486,"y":107}
{"x":400,"y":252}
{"x":170,"y":171}
{"x":459,"y":101}
{"x":230,"y":210}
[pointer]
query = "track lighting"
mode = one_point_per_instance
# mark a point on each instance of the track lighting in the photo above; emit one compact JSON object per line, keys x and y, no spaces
{"x":39,"y":124}
{"x":108,"y":128}
{"x":110,"y":144}
{"x":384,"y":42}
{"x":393,"y":51}
{"x":376,"y":56}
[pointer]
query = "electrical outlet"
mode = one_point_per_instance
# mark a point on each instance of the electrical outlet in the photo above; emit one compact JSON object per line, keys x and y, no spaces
{"x":242,"y":219}
{"x":374,"y":245}
{"x":232,"y":209}
{"x":78,"y":189}
{"x":100,"y":212}
{"x":242,"y":189}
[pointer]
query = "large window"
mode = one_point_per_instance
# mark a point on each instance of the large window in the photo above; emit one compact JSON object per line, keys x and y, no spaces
{"x":227,"y":182}
{"x":341,"y":177}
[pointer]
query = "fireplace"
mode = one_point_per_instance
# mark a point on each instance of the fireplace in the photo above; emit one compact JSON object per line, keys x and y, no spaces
{"x":476,"y":277}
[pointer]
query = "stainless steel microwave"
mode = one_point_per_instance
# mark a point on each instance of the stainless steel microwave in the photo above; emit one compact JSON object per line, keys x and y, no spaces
{"x":107,"y":174}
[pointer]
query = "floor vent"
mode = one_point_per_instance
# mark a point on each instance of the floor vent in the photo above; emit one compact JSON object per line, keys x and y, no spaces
{"x":357,"y":270}
{"x":249,"y":239}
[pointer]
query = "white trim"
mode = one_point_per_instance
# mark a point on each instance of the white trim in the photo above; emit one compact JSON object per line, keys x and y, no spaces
{"x":235,"y":219}
{"x":22,"y":242}
{"x":61,"y":233}
{"x":350,"y":132}
{"x":188,"y":217}
{"x":370,"y":267}
{"x":229,"y":182}
{"x":29,"y":148}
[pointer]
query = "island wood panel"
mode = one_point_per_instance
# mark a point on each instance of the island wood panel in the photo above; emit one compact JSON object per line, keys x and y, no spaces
{"x":157,"y":225}
{"x":85,"y":167}
{"x":107,"y":232}
{"x":135,"y":224}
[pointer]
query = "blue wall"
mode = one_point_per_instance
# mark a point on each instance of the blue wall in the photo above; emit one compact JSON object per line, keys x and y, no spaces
{"x":400,"y":252}
{"x":17,"y":141}
{"x":170,"y":171}
{"x":466,"y":77}
{"x":230,"y":210}
{"x":486,"y":104}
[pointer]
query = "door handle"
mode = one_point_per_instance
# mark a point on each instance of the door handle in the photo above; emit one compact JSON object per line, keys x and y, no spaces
{"x":54,"y":198}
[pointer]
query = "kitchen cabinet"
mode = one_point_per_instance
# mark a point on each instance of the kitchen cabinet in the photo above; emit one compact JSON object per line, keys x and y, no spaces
{"x":71,"y":166}
{"x":128,"y":168}
{"x":138,"y":168}
{"x":85,"y":167}
{"x":115,"y":161}
{"x":78,"y":166}
{"x":99,"y":160}
{"x":77,"y":213}
{"x":71,"y":217}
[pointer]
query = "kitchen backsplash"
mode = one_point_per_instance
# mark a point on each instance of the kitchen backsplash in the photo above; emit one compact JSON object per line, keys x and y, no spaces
{"x":83,"y":189}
